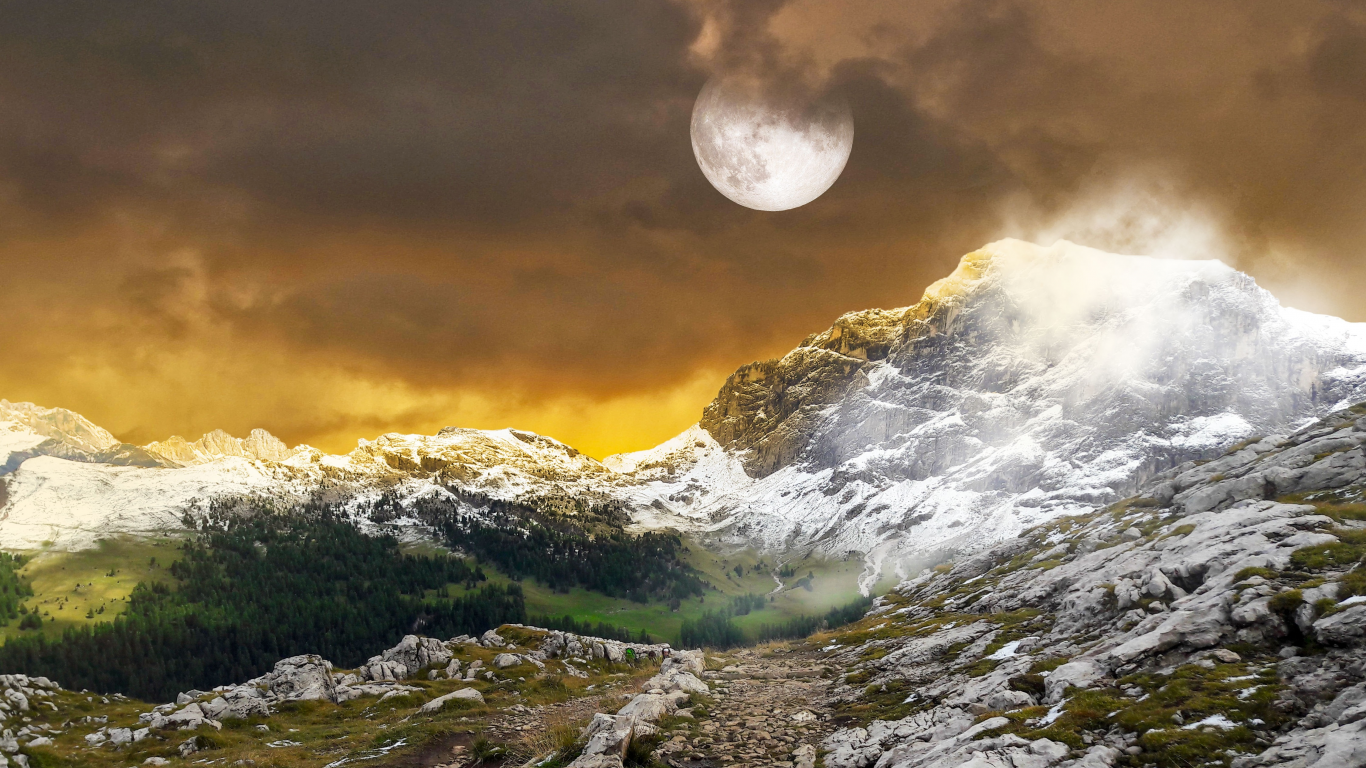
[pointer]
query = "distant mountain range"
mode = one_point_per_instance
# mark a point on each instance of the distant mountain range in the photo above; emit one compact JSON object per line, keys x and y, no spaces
{"x":1032,"y":382}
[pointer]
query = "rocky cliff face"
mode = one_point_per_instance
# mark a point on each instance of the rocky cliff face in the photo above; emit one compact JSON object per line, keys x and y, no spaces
{"x":1032,"y":382}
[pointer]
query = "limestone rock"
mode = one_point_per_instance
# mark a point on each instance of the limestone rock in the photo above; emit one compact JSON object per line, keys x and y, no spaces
{"x":307,"y":677}
{"x":608,"y":734}
{"x":1345,"y":628}
{"x":464,"y":694}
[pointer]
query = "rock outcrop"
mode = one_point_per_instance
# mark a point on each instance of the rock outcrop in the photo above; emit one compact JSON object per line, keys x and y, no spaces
{"x":1251,"y":599}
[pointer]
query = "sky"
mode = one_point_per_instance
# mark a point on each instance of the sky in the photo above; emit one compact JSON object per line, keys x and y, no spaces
{"x":338,"y":219}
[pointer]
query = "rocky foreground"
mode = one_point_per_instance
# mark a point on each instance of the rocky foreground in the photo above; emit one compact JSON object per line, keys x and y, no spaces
{"x":1217,"y":619}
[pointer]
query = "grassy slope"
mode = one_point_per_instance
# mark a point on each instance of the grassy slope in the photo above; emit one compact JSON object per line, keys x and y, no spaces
{"x":67,"y":584}
{"x":835,"y":584}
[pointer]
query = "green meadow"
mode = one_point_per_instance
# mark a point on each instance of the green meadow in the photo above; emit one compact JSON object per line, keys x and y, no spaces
{"x":90,"y":586}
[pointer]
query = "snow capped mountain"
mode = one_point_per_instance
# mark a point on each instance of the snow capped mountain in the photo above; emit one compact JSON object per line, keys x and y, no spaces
{"x":218,"y":444}
{"x":27,"y":430}
{"x":1032,"y":382}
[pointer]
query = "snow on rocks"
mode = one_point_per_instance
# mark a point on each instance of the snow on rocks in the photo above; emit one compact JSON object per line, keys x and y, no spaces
{"x":1152,"y":586}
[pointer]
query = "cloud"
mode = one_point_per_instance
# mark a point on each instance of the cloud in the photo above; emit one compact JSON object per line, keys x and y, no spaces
{"x":234,"y":207}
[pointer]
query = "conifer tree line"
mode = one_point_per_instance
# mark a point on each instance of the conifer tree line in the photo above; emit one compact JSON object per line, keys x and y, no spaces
{"x":588,"y":549}
{"x":568,"y":623}
{"x":13,"y":590}
{"x":255,"y":590}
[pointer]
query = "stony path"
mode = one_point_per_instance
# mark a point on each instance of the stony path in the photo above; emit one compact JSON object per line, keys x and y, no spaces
{"x":767,"y":712}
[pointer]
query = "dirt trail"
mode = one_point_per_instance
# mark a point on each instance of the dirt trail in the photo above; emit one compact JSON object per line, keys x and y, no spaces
{"x":767,"y":709}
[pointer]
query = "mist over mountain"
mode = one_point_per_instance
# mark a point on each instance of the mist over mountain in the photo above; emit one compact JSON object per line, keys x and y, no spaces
{"x":1031,"y":383}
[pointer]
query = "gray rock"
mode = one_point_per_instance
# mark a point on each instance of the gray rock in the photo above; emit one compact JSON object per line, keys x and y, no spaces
{"x":1082,"y":673}
{"x":596,"y":761}
{"x":1345,"y":628}
{"x":608,"y":734}
{"x":648,"y":707}
{"x":464,"y":694}
{"x":414,"y":654}
{"x":307,"y":677}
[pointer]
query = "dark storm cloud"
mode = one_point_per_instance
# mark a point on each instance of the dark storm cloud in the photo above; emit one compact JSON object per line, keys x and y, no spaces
{"x":485,"y":112}
{"x":493,"y":196}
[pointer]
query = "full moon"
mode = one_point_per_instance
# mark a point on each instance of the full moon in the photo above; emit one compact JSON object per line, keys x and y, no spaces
{"x":768,"y":152}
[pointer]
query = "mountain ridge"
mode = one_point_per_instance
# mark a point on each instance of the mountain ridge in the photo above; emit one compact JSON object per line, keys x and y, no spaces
{"x":1030,"y":383}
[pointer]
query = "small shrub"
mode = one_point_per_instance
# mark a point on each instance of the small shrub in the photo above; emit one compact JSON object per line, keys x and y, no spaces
{"x":483,"y":750}
{"x":1247,"y":573}
{"x":1032,"y":684}
{"x":1046,"y":665}
{"x":1287,"y":601}
{"x":638,"y":753}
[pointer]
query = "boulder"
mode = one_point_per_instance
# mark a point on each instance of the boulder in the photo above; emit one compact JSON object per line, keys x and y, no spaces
{"x":307,"y":677}
{"x":380,"y":670}
{"x":676,"y":679}
{"x":1004,"y":701}
{"x":415,"y":654}
{"x":648,"y":707}
{"x":464,"y":694}
{"x":491,"y":639}
{"x":1344,"y":628}
{"x":1082,"y":673}
{"x":609,"y":734}
{"x":505,"y":660}
{"x":689,"y":661}
{"x":17,"y":699}
{"x":1189,"y":628}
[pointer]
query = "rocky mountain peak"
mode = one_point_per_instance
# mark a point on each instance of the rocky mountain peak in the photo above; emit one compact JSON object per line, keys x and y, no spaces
{"x":58,"y":424}
{"x":218,"y":444}
{"x":1030,"y":382}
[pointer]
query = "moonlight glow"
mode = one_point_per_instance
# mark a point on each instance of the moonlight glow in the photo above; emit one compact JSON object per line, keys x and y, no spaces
{"x":768,"y":153}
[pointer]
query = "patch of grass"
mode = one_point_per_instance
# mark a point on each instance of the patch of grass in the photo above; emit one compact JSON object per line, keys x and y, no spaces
{"x":1348,"y":550}
{"x":638,"y":752}
{"x":1192,"y":693}
{"x":882,"y":702}
{"x":1287,"y":601}
{"x":559,"y":741}
{"x":485,"y":751}
{"x":1353,"y":583}
{"x":1342,"y":512}
{"x":981,"y":667}
{"x":1180,"y":530}
{"x":1046,"y":665}
{"x":1247,"y":573}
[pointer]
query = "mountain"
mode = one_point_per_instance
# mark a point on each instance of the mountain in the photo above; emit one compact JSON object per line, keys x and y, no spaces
{"x":1031,"y":383}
